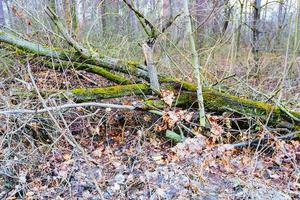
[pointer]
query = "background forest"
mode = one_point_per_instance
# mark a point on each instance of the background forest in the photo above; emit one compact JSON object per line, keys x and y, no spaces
{"x":149,"y":99}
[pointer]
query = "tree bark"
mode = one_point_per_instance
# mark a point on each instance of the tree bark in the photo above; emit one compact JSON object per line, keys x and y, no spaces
{"x":89,"y":68}
{"x":148,"y":54}
{"x":70,"y":13}
{"x":240,"y":25}
{"x":110,"y":18}
{"x":103,"y":12}
{"x":280,"y":22}
{"x":227,"y":14}
{"x":256,"y":32}
{"x":297,"y":27}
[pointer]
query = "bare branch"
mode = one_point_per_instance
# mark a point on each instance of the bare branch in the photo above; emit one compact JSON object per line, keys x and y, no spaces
{"x":65,"y":106}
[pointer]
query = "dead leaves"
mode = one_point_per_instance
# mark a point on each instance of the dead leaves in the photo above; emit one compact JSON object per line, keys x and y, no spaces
{"x":168,"y":96}
{"x":172,"y":118}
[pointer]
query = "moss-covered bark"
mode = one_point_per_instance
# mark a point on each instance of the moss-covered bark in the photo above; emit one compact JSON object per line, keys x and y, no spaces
{"x":93,"y":58}
{"x":90,"y":94}
{"x":89,"y":68}
{"x":219,"y":102}
{"x":178,"y":83}
{"x":35,"y":48}
{"x":214,"y":101}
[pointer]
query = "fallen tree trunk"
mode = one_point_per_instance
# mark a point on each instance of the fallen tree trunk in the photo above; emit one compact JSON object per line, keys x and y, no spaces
{"x":128,"y":67}
{"x":215,"y":101}
{"x":89,"y":68}
{"x":87,"y":65}
{"x":90,"y":94}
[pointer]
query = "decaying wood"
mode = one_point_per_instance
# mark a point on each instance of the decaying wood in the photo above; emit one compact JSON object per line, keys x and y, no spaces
{"x":214,"y":100}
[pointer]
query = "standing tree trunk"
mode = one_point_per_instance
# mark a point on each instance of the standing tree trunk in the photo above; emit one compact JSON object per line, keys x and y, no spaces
{"x":110,"y":17}
{"x":84,"y":11}
{"x":84,"y":8}
{"x":167,"y":11}
{"x":116,"y":16}
{"x":167,"y":14}
{"x":148,"y":46}
{"x":2,"y":19}
{"x":280,"y":23}
{"x":238,"y":40}
{"x":70,"y":12}
{"x":297,"y":27}
{"x":195,"y":57}
{"x":227,"y":14}
{"x":103,"y":11}
{"x":256,"y":32}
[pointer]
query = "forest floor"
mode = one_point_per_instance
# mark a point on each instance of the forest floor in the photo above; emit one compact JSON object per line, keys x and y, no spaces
{"x":124,"y":153}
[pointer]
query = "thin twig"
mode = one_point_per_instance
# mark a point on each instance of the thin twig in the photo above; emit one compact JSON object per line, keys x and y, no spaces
{"x":65,"y":106}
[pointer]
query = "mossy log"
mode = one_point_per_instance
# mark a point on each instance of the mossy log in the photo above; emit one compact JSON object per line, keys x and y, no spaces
{"x":92,"y":94}
{"x":89,"y":68}
{"x":214,"y":101}
{"x":128,"y":67}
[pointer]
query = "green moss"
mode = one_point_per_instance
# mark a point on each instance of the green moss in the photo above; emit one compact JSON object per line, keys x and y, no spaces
{"x":91,"y":68}
{"x":185,"y":85}
{"x":102,"y":72}
{"x":19,"y":51}
{"x":153,"y":104}
{"x":86,"y":94}
{"x":218,"y":100}
{"x":133,"y":63}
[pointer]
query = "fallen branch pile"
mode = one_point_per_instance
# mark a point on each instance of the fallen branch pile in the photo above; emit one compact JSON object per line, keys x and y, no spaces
{"x":117,"y":70}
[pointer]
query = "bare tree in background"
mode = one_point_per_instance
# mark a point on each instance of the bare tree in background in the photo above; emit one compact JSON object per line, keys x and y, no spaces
{"x":297,"y":28}
{"x":227,"y":14}
{"x":2,"y":19}
{"x":256,"y":31}
{"x":103,"y":11}
{"x":167,"y":9}
{"x":132,"y":22}
{"x":240,"y":23}
{"x":110,"y":18}
{"x":280,"y":22}
{"x":70,"y":12}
